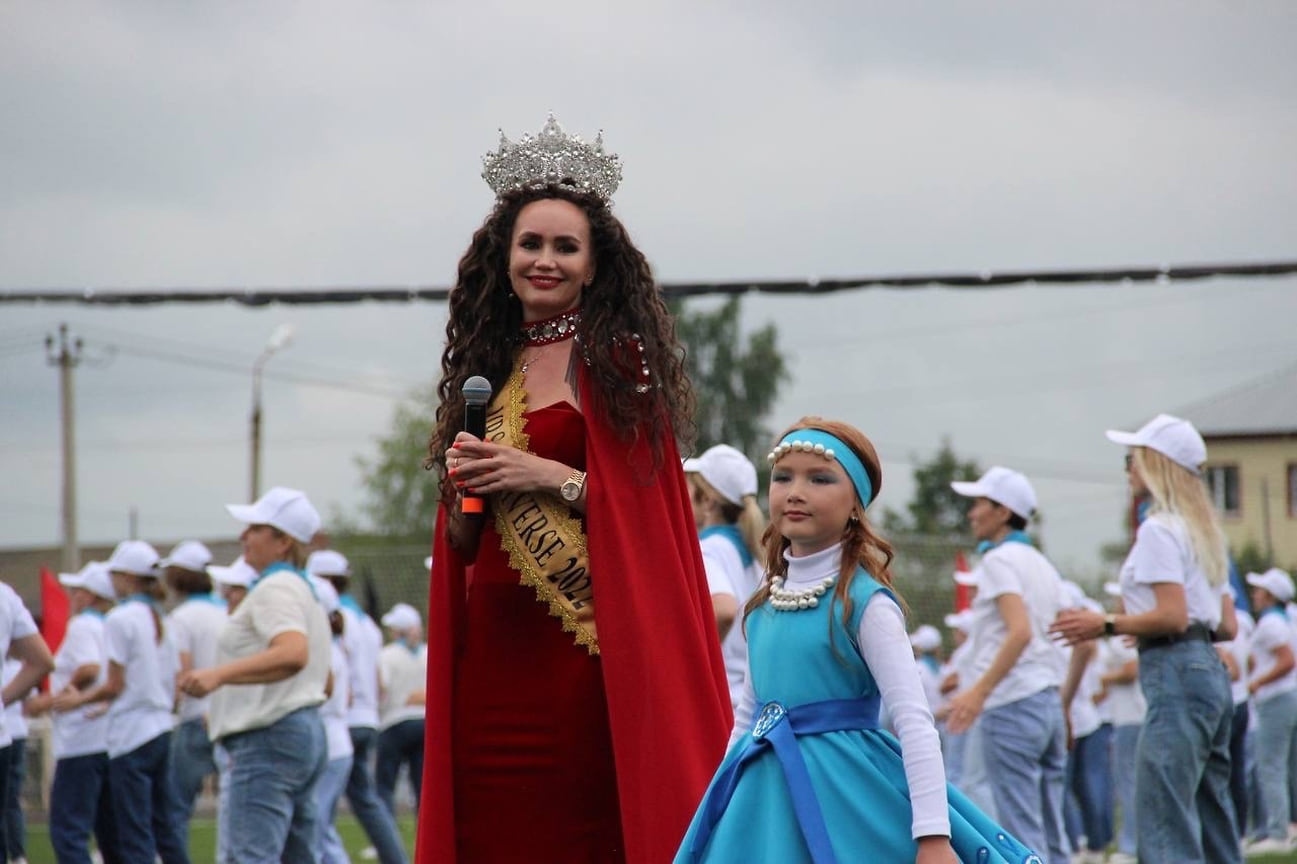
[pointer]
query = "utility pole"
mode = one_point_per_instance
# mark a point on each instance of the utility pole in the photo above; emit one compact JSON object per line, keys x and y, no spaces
{"x":67,"y":357}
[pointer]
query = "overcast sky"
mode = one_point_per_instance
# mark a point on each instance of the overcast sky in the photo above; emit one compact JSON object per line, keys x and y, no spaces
{"x":294,"y":144}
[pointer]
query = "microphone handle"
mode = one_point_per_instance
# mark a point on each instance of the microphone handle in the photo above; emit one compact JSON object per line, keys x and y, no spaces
{"x":472,"y":505}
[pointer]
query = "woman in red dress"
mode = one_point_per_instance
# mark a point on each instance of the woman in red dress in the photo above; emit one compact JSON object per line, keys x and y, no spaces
{"x":577,"y":703}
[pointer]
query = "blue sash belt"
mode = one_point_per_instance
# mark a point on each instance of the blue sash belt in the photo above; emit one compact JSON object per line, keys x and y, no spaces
{"x":777,"y":728}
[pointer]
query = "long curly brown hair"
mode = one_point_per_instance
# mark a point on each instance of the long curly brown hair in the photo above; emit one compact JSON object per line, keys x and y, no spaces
{"x":621,"y":311}
{"x":861,"y":546}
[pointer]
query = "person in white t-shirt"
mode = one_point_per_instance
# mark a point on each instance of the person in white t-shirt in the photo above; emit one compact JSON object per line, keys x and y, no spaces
{"x":1124,"y":701}
{"x":80,"y":799}
{"x":1171,"y":590}
{"x":21,"y":641}
{"x":1088,"y":812}
{"x":195,"y":626}
{"x":139,"y":690}
{"x":268,"y":683}
{"x":1015,"y":691}
{"x":403,"y":672}
{"x":1273,"y":686}
{"x":336,"y":735}
{"x":723,"y":491}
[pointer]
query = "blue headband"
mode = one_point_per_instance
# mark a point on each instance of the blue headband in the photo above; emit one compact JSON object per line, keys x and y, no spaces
{"x":826,"y":445}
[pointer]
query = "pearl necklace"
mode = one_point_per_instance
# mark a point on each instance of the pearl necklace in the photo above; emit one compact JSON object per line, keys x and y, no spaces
{"x":792,"y":600}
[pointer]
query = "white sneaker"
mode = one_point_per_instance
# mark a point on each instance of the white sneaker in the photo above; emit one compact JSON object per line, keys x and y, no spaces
{"x":369,"y":853}
{"x":1267,"y":846}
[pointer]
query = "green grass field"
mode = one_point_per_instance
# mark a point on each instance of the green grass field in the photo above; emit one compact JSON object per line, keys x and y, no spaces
{"x":202,"y":839}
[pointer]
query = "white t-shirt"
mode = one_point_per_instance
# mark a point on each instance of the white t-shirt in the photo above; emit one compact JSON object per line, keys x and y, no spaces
{"x":333,"y":713}
{"x":1017,"y":568}
{"x":142,"y":711}
{"x":1164,"y":553}
{"x":279,"y":602}
{"x":402,"y":672}
{"x":1084,"y":714}
{"x":1273,"y":631}
{"x":15,"y":623}
{"x":363,"y":640}
{"x":727,"y":575}
{"x":1241,"y":647}
{"x":195,"y":628}
{"x":75,"y":734}
{"x":1126,"y":705}
{"x":15,"y":722}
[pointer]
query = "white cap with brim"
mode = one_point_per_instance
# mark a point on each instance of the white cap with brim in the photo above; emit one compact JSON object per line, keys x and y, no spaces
{"x":189,"y":555}
{"x":95,"y":577}
{"x":282,"y":508}
{"x":135,"y":557}
{"x":1003,"y":486}
{"x":727,"y":470}
{"x":402,"y":616}
{"x":327,"y":595}
{"x":926,"y":639}
{"x":962,"y":620}
{"x":1174,"y":438}
{"x":1274,"y":580}
{"x":327,"y":562}
{"x":240,"y":574}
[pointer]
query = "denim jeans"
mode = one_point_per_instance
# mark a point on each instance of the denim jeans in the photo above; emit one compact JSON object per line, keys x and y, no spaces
{"x":145,"y":805}
{"x":976,"y":785}
{"x":4,"y":791}
{"x":1124,"y":742}
{"x":272,"y":812}
{"x":15,"y":825}
{"x":1182,"y":767}
{"x":327,"y":792}
{"x":1025,"y":747}
{"x":191,"y":762}
{"x":1089,"y":780}
{"x":1276,"y":735}
{"x":1238,"y":766}
{"x":222,"y":759}
{"x":81,"y":803}
{"x":375,"y":818}
{"x":399,"y":744}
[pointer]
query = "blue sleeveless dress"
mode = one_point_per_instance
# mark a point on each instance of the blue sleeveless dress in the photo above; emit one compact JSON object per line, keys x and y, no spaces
{"x":852,"y":793}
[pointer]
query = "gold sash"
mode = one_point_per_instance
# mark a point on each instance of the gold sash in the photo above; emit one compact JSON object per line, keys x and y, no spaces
{"x":545,"y":542}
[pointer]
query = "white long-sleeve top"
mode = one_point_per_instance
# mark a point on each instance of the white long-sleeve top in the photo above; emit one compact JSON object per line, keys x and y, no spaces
{"x":885,"y":646}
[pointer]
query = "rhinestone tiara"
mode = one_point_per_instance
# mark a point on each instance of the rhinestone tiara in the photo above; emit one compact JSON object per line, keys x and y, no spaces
{"x":552,"y":157}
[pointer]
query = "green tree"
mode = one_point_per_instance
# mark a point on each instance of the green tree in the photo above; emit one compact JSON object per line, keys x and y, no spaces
{"x":936,"y":510}
{"x":735,"y":380}
{"x":400,"y":497}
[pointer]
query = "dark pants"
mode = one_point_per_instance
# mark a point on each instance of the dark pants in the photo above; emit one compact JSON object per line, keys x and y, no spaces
{"x":191,"y":762}
{"x":399,"y":744}
{"x":4,"y":794}
{"x":365,"y":803}
{"x":15,"y":825}
{"x":145,"y":803}
{"x":1089,"y":779}
{"x":80,"y":802}
{"x":1238,"y":765}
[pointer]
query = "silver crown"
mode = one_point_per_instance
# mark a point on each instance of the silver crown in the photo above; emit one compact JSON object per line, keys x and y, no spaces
{"x":552,"y":157}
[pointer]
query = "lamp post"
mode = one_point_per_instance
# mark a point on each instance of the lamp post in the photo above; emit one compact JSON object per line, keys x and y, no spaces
{"x":279,"y":339}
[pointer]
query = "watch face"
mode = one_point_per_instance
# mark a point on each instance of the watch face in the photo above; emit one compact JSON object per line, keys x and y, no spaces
{"x":570,"y":491}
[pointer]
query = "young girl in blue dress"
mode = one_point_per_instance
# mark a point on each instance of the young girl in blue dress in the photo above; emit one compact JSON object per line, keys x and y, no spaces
{"x":809,"y":776}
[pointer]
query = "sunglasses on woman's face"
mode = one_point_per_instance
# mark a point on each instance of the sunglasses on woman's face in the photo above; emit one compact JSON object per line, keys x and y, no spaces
{"x":1130,"y":460}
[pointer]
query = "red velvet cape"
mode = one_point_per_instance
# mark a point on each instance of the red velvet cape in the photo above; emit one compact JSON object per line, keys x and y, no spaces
{"x":668,"y":700}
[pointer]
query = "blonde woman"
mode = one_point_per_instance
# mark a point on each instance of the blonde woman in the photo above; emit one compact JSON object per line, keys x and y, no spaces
{"x":1171,"y":592}
{"x":723,"y":491}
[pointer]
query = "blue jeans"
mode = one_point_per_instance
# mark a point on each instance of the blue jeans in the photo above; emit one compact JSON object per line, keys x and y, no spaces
{"x":80,"y":802}
{"x":1089,"y":779}
{"x":375,"y":818}
{"x":191,"y":761}
{"x":975,"y":784}
{"x":1025,"y":747}
{"x":399,"y":744}
{"x":1182,"y":765}
{"x":271,"y":812}
{"x":1125,"y":740}
{"x":145,"y":805}
{"x":15,"y":826}
{"x":327,"y":792}
{"x":1238,"y":766}
{"x":1276,"y":736}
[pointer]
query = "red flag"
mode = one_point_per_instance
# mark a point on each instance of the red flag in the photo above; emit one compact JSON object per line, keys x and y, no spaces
{"x":54,"y":610}
{"x":962,"y":600}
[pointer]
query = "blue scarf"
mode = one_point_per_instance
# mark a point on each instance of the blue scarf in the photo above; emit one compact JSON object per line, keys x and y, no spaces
{"x":1278,"y":610}
{"x":282,"y":567}
{"x":732,"y":534}
{"x":349,"y":602}
{"x":1012,"y":537}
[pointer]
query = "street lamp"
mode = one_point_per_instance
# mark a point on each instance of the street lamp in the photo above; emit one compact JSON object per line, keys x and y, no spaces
{"x":279,"y":339}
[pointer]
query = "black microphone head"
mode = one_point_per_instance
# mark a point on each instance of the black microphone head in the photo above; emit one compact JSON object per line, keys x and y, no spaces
{"x":476,"y":390}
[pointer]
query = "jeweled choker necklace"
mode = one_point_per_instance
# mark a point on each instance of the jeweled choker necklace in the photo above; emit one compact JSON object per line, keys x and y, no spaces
{"x":550,"y":330}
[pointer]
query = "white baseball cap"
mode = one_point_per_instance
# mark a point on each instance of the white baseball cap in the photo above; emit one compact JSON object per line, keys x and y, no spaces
{"x":1174,"y":438}
{"x":962,"y":620}
{"x":727,"y":470}
{"x":969,"y":578}
{"x":1003,"y":486}
{"x":327,"y":562}
{"x":240,"y":574}
{"x":135,"y":557}
{"x":1112,"y":589}
{"x":285,"y":509}
{"x":402,"y":616}
{"x":926,"y":638}
{"x":94,"y":577}
{"x":427,"y":563}
{"x":1274,"y":580}
{"x":189,"y":555}
{"x":327,"y":595}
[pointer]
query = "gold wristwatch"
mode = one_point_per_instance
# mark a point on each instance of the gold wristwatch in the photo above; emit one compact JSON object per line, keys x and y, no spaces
{"x":570,"y":491}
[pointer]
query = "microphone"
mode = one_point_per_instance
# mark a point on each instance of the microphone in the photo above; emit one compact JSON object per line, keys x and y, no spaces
{"x":477,"y":392}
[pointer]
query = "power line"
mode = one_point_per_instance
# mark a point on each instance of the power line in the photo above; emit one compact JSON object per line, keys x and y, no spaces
{"x":315,"y":295}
